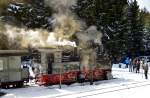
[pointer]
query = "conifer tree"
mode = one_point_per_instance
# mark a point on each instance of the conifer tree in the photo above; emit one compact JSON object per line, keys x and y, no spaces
{"x":110,"y":18}
{"x":135,"y":28}
{"x":32,"y":15}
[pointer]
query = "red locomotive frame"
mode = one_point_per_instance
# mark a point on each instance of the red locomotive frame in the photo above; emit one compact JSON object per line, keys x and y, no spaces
{"x":71,"y":77}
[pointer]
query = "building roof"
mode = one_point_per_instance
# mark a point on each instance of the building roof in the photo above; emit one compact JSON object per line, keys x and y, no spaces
{"x":13,"y":52}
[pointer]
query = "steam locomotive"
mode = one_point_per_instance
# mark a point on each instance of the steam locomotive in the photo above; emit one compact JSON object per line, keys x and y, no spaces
{"x":50,"y":66}
{"x":55,"y":66}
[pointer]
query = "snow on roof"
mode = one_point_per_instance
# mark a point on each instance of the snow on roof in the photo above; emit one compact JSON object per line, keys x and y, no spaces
{"x":49,"y":50}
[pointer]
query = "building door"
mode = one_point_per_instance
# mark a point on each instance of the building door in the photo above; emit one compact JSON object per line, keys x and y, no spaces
{"x":50,"y":60}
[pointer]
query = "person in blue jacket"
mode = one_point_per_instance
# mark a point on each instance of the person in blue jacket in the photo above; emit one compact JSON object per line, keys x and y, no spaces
{"x":127,"y":62}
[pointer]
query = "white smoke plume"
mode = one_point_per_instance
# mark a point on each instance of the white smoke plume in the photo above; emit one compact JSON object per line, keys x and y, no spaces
{"x":37,"y":38}
{"x":26,"y":37}
{"x":89,"y":35}
{"x":60,"y":6}
{"x":65,"y":23}
{"x":88,"y":53}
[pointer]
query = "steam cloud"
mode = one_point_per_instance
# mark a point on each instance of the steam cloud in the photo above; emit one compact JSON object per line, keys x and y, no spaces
{"x":60,"y":6}
{"x":64,"y":26}
{"x":34,"y":38}
{"x":65,"y":23}
{"x":88,"y":53}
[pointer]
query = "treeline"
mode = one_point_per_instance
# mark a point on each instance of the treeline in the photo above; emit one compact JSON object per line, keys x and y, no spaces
{"x":124,"y":26}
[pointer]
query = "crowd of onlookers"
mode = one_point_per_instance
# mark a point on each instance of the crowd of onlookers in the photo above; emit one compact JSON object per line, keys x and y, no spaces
{"x":137,"y":63}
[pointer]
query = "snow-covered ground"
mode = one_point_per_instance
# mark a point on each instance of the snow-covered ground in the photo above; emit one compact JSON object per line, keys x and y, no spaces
{"x":125,"y":85}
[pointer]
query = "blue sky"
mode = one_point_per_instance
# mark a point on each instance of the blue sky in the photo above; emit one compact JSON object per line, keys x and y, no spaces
{"x":144,"y":3}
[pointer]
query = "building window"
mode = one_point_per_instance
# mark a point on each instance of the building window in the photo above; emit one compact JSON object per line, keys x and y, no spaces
{"x":1,"y":65}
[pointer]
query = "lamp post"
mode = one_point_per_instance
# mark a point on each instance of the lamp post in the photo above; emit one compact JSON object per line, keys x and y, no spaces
{"x":91,"y":74}
{"x":93,"y":63}
{"x":91,"y":68}
{"x":60,"y":76}
{"x":59,"y":57}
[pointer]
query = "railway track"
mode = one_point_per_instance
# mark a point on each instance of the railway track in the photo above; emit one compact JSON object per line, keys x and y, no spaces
{"x":104,"y":90}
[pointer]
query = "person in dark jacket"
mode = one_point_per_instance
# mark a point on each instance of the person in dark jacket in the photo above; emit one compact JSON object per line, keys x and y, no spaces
{"x":80,"y":77}
{"x":138,"y":66}
{"x":145,"y":68}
